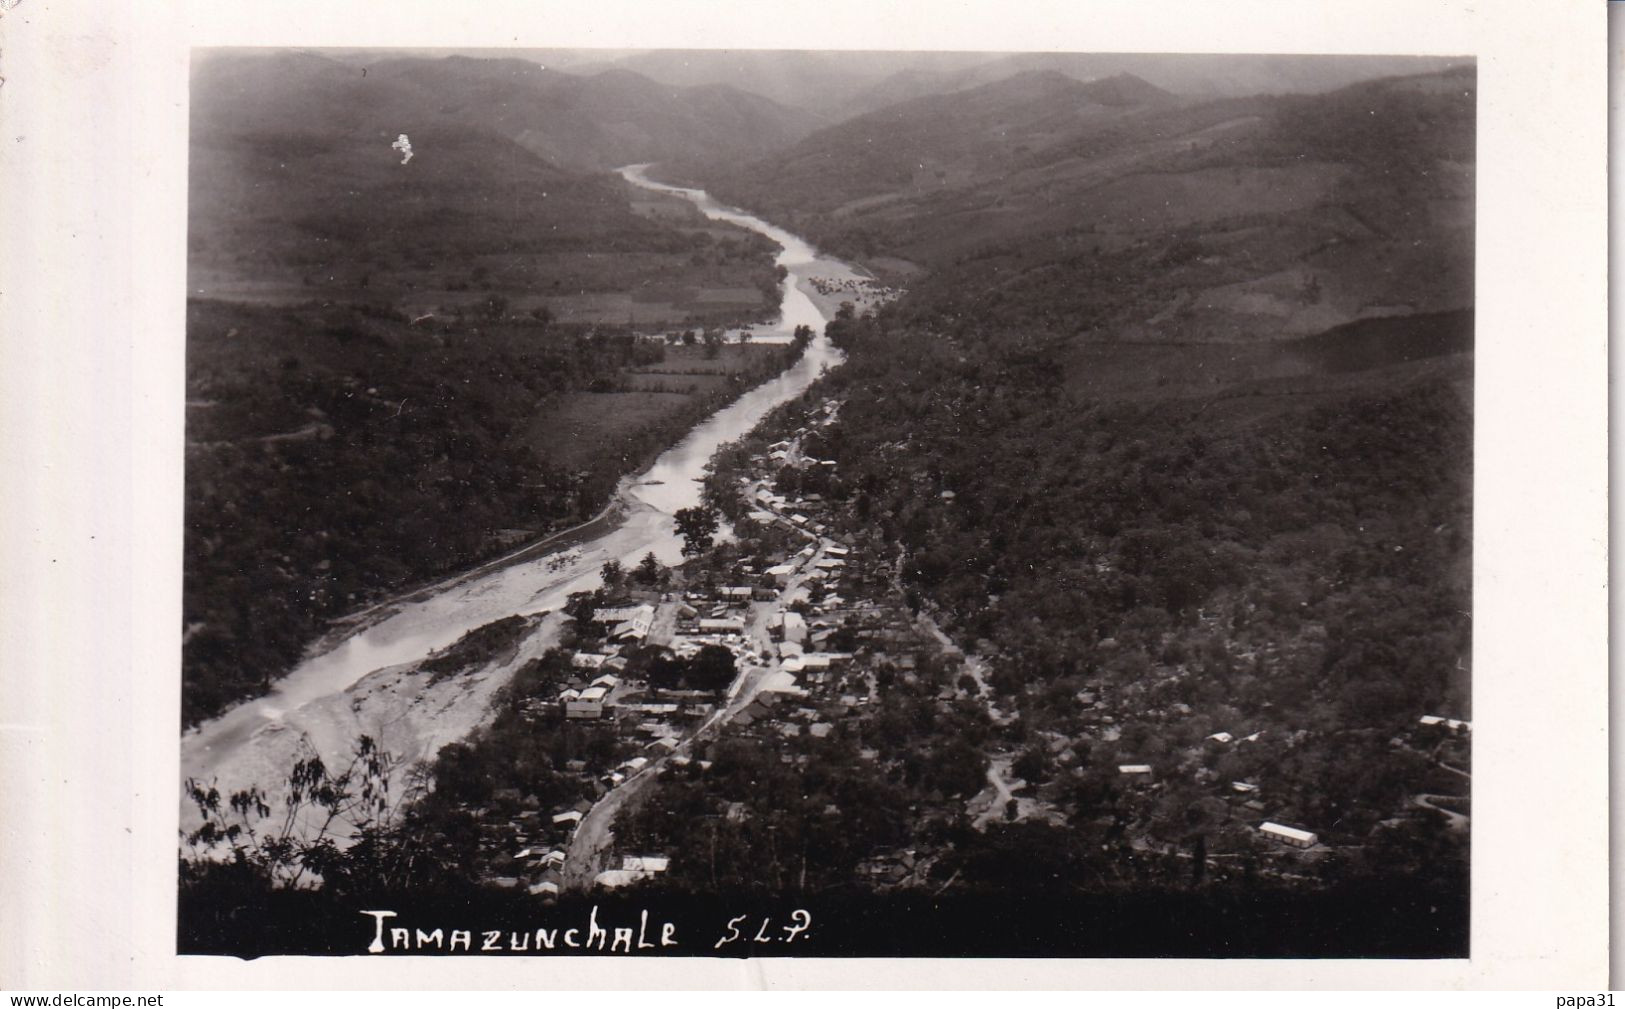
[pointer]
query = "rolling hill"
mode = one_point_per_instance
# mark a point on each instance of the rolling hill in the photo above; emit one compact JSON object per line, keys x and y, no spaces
{"x":297,"y":192}
{"x":578,"y":121}
{"x":1155,"y":220}
{"x":930,"y":145}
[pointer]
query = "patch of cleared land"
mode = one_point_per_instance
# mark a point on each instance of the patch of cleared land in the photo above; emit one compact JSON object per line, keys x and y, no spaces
{"x":581,"y":426}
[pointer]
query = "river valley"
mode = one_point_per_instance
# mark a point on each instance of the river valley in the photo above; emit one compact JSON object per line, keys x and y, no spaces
{"x":367,"y":682}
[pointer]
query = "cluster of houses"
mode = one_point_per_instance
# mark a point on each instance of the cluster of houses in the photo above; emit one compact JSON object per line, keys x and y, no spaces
{"x":836,"y":624}
{"x":840,"y":682}
{"x":1432,"y":727}
{"x":538,"y":865}
{"x":1246,"y":793}
{"x":808,"y":688}
{"x":531,"y":843}
{"x":590,"y":701}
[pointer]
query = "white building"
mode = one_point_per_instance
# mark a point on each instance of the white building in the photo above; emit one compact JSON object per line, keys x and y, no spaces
{"x":1289,"y":835}
{"x":645,"y":863}
{"x":634,"y":868}
{"x":588,"y":704}
{"x":615,"y":614}
{"x":1453,"y":724}
{"x":627,"y":621}
{"x":633,"y":630}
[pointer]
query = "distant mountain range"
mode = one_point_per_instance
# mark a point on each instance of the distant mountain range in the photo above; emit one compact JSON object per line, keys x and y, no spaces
{"x":838,"y":85}
{"x":827,"y":83}
{"x":1309,"y":201}
{"x":588,"y":109}
{"x":574,"y":120}
{"x":298,"y":191}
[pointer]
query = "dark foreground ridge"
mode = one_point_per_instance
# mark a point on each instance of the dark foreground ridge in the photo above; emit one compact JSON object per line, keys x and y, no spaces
{"x":1381,"y":921}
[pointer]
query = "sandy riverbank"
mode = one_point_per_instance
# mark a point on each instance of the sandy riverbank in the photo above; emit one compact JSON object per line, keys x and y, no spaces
{"x":402,"y":709}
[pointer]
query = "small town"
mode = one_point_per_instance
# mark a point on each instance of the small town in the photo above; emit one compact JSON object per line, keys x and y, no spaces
{"x":804,"y":632}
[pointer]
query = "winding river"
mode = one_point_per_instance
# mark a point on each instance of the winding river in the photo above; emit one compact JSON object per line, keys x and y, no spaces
{"x":319,"y":700}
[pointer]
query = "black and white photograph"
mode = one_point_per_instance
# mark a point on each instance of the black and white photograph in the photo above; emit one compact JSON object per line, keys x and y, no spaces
{"x":728,"y":503}
{"x":682,"y":495}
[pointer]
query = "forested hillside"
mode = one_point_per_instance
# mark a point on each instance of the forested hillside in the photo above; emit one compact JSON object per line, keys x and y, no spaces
{"x":1228,"y":221}
{"x":1174,"y":427}
{"x":1134,"y":455}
